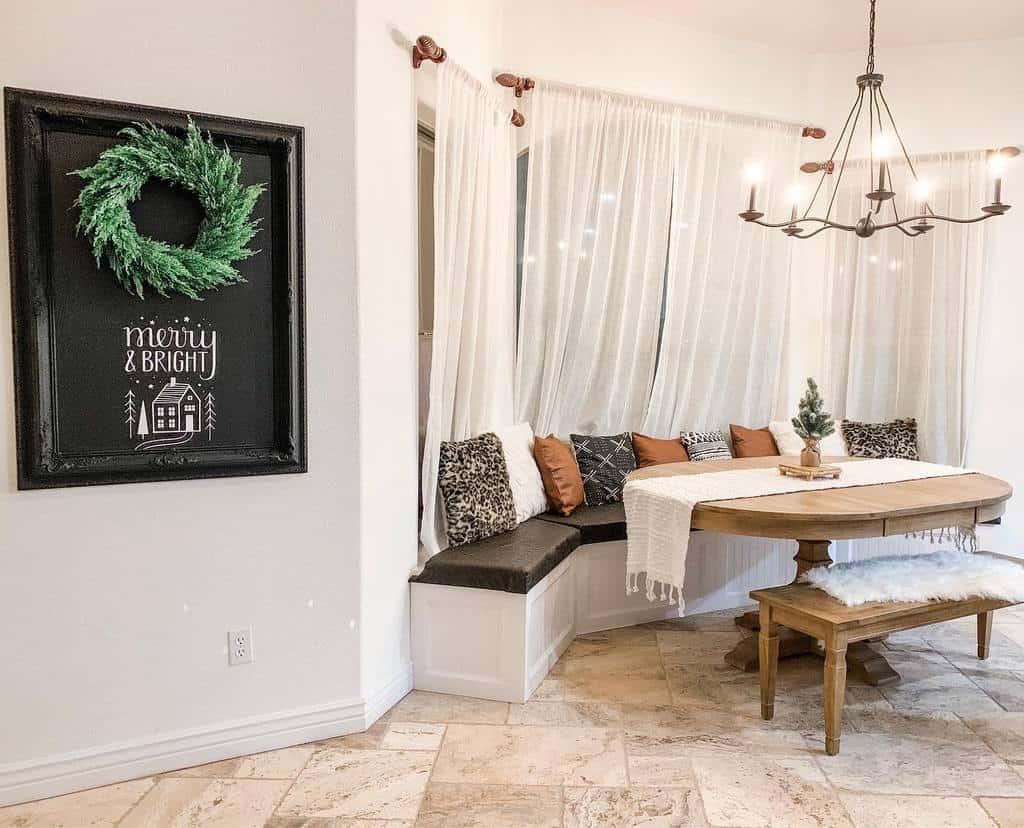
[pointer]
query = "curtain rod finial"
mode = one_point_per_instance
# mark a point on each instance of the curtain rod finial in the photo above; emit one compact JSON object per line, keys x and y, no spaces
{"x":426,"y":48}
{"x":519,"y":84}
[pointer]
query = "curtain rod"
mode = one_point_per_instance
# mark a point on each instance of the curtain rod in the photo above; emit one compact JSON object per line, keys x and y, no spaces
{"x":521,"y":84}
{"x":426,"y":48}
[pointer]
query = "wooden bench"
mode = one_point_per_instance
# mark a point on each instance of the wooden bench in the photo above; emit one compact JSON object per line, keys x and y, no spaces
{"x":807,"y":609}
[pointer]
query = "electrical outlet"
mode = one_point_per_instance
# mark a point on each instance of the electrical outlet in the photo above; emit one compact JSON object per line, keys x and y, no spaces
{"x":240,"y":646}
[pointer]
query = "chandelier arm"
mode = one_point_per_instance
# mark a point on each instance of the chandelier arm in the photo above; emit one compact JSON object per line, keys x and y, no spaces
{"x":895,"y":129}
{"x":808,"y":220}
{"x":933,"y":216}
{"x":835,"y":149}
{"x":814,"y":233}
{"x":846,"y":153}
{"x":892,"y":189}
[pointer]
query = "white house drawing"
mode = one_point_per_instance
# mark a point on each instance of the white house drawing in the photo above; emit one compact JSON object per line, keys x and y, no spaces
{"x":177,"y":408}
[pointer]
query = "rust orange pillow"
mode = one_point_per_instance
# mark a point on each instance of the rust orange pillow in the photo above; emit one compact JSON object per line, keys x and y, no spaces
{"x":562,"y":481}
{"x":653,"y":451}
{"x":752,"y":442}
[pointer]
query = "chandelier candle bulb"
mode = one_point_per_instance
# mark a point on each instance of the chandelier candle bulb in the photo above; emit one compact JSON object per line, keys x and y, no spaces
{"x":922,"y":191}
{"x":754,"y":175}
{"x":996,"y":165}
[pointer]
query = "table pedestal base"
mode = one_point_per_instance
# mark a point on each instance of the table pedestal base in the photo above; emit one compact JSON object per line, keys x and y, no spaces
{"x":862,"y":659}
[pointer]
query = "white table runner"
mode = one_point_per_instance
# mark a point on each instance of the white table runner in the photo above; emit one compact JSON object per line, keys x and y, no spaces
{"x":659,"y":510}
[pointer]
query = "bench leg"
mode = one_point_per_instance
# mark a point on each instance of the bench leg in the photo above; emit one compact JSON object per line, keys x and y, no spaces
{"x":984,"y":633}
{"x":768,"y":658}
{"x":835,"y":692}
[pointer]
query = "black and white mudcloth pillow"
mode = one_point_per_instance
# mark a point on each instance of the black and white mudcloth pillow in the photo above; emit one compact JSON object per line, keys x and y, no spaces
{"x":604,"y":463}
{"x":705,"y":445}
{"x":475,"y":489}
{"x":895,"y":439}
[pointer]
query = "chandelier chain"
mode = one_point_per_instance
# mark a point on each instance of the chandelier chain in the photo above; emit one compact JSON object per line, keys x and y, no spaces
{"x":871,"y":40}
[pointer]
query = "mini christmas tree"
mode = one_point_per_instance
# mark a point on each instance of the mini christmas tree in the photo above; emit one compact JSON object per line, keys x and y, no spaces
{"x":812,"y":421}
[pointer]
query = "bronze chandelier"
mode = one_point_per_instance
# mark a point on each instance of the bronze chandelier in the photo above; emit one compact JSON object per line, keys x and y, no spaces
{"x":869,"y":87}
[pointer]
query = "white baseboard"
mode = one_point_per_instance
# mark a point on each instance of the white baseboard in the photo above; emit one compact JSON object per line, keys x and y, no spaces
{"x":119,"y":761}
{"x":381,"y":701}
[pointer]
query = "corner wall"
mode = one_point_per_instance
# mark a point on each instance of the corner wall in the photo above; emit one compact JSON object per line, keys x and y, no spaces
{"x":389,"y":94}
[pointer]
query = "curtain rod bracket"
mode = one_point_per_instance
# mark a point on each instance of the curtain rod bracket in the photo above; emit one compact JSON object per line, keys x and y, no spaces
{"x":519,"y":84}
{"x":426,"y":48}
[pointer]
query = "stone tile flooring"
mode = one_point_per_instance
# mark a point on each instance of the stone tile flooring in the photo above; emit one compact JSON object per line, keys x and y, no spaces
{"x":641,"y":726}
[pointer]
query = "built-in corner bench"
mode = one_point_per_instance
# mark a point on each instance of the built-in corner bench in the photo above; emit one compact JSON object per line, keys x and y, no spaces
{"x":491,"y":618}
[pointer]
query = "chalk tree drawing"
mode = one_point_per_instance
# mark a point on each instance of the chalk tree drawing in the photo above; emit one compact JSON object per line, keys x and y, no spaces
{"x":211,"y":415}
{"x":129,"y":411}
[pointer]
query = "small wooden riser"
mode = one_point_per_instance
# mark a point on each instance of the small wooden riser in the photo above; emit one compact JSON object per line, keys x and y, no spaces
{"x":810,"y":472}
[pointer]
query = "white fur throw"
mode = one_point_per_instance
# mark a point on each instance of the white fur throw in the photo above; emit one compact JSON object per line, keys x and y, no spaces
{"x":949,"y":576}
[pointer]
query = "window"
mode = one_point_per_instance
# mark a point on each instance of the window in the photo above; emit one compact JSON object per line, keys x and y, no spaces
{"x":425,"y":186}
{"x":522,"y":177}
{"x":425,"y":319}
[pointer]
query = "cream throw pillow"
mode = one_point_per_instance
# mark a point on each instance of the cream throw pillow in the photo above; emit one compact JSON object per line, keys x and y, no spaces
{"x":523,"y":475}
{"x":789,"y":442}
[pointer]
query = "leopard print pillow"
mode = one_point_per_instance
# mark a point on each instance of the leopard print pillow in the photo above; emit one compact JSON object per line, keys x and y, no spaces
{"x":475,"y":489}
{"x":895,"y":439}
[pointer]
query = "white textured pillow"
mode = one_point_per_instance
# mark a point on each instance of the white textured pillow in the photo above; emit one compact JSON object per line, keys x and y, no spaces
{"x":523,"y":474}
{"x":789,"y":442}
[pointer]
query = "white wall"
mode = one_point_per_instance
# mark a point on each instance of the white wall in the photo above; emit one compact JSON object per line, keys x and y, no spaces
{"x":112,"y":631}
{"x":318,"y":563}
{"x":618,"y":48}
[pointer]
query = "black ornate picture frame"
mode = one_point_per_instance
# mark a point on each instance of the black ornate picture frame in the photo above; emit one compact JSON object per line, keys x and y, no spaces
{"x":111,"y":388}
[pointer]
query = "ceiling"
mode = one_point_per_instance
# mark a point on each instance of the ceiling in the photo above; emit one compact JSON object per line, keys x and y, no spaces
{"x":838,"y":25}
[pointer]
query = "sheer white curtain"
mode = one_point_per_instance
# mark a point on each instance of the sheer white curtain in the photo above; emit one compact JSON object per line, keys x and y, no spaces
{"x":596,"y":240}
{"x":471,"y":380}
{"x":726,"y":307}
{"x":905,"y":316}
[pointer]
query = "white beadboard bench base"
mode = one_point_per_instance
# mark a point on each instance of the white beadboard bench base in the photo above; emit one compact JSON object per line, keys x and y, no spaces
{"x":498,"y":645}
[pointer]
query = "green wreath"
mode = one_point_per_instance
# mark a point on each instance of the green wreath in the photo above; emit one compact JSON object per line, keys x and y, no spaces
{"x":195,"y":164}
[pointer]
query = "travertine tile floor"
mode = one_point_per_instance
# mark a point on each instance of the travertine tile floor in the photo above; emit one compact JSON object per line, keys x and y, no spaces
{"x":641,"y":726}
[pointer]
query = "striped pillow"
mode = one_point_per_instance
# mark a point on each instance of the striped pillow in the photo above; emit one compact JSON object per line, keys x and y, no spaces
{"x":705,"y":445}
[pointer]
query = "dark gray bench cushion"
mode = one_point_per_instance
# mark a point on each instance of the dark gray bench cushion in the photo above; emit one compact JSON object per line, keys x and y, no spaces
{"x":511,"y":562}
{"x":596,"y":524}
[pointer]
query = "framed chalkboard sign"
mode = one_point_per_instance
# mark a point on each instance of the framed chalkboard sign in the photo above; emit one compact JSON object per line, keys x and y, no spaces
{"x":111,"y":387}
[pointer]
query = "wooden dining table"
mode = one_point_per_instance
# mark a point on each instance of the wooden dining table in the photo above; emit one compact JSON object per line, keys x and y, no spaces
{"x":816,"y":518}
